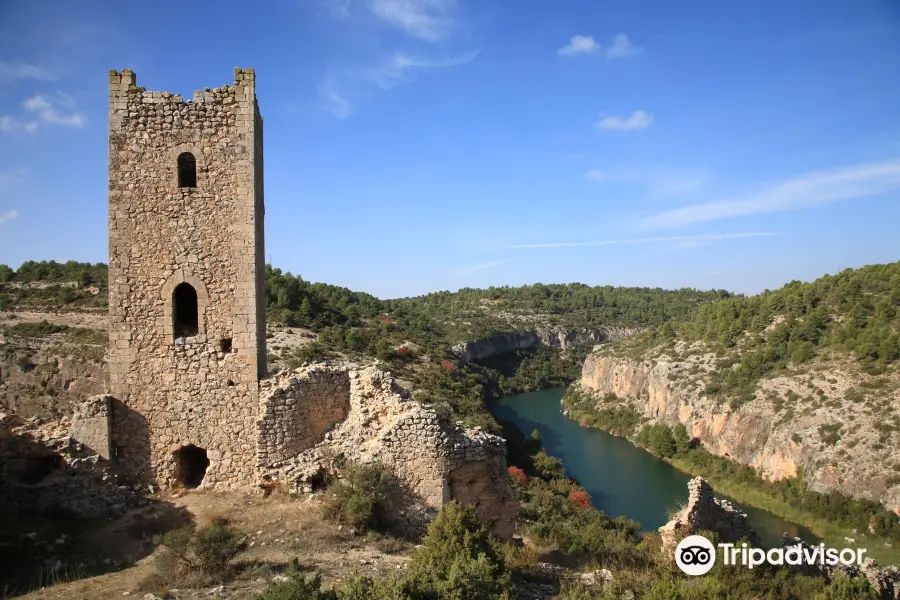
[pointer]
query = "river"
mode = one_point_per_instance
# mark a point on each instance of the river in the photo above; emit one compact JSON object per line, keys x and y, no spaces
{"x":621,"y":478}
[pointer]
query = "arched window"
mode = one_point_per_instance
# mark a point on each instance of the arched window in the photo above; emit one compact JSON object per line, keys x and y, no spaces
{"x":184,"y":311}
{"x":187,"y":170}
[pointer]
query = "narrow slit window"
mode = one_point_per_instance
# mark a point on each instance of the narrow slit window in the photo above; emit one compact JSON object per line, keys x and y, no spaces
{"x":187,"y":170}
{"x":185,"y":311}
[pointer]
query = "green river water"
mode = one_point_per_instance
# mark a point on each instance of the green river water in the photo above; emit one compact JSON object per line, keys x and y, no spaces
{"x":621,"y":478}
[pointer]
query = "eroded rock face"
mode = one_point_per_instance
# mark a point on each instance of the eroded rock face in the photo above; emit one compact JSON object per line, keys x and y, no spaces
{"x":779,"y":437}
{"x":436,"y":460}
{"x":522,"y":340}
{"x":704,"y":512}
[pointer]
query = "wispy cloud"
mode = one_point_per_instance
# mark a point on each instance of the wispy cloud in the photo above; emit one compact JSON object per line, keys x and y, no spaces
{"x":429,"y":20}
{"x":636,"y":122}
{"x":476,"y":268}
{"x":707,"y":237}
{"x":340,"y":91}
{"x":10,"y":124}
{"x":49,"y":110}
{"x":812,"y":189}
{"x":659,"y":181}
{"x":621,"y":47}
{"x":401,"y":67}
{"x":12,"y":71}
{"x":333,"y":102}
{"x":15,"y":175}
{"x":8,"y":216}
{"x":579,"y":44}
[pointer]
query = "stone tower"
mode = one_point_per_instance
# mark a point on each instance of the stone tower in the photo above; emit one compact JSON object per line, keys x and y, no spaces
{"x":186,"y":282}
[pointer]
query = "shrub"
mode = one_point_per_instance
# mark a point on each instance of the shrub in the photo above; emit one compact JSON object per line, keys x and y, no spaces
{"x":361,"y":498}
{"x":548,"y":467}
{"x":580,"y":498}
{"x":518,"y":475}
{"x":458,"y":559}
{"x":197,"y":557}
{"x":297,"y":587}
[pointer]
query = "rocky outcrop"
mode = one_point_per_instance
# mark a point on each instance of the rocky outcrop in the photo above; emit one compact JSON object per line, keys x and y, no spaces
{"x":884,"y":581}
{"x":795,"y":426}
{"x":703,"y":512}
{"x":435,"y":459}
{"x":522,"y":340}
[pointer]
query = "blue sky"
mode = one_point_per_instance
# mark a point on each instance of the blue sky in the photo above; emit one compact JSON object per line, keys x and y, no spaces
{"x":420,"y":145}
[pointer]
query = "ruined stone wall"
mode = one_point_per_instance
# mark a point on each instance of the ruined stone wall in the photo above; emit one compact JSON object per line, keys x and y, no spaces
{"x":297,"y":413}
{"x":90,"y":424}
{"x":435,"y":459}
{"x":193,"y":390}
{"x":704,"y":512}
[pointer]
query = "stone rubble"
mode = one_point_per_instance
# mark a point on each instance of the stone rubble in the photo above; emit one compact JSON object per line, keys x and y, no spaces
{"x":436,"y":459}
{"x":704,"y":512}
{"x":885,"y":581}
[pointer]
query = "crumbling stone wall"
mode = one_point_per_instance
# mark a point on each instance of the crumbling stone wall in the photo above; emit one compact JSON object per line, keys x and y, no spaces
{"x":203,"y":389}
{"x":90,"y":424}
{"x":885,"y":581}
{"x":703,"y":512}
{"x":297,"y":413}
{"x":44,"y":470}
{"x":435,"y":459}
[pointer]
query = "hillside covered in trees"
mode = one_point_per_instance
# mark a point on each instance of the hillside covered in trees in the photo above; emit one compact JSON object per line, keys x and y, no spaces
{"x":855,"y":314}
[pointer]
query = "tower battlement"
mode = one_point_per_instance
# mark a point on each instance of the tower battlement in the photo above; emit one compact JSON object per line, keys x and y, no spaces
{"x":186,"y":280}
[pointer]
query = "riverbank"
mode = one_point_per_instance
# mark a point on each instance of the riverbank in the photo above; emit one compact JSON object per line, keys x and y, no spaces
{"x":738,"y":481}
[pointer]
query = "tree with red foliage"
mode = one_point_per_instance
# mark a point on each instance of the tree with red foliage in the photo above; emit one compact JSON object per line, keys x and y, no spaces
{"x":449,"y":365}
{"x":580,"y":498}
{"x":518,"y":475}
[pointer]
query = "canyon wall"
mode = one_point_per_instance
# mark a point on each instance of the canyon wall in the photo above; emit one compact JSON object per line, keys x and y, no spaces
{"x":808,"y":425}
{"x":561,"y":338}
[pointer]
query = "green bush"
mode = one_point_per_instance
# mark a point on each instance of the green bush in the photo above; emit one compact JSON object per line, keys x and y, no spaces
{"x":196,"y":557}
{"x":458,"y":559}
{"x":361,"y":498}
{"x":297,"y":587}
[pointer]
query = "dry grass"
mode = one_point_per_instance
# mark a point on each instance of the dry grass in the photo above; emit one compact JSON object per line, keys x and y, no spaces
{"x":278,"y":528}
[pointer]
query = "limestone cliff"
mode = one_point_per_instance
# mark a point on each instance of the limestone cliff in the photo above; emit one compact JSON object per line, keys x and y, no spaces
{"x":814,"y":423}
{"x":521,"y":340}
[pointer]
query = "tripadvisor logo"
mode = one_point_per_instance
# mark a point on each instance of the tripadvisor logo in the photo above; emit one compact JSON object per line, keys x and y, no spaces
{"x":696,"y":555}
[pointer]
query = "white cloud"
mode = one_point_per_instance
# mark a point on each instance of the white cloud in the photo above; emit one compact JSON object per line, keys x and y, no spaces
{"x":637,"y":121}
{"x":659,"y":181}
{"x":49,"y":112}
{"x":476,"y":268}
{"x":10,"y":124}
{"x":11,"y":71}
{"x":621,"y":47}
{"x":334,"y":103}
{"x":579,"y":44}
{"x":429,"y":20}
{"x":14,"y":175}
{"x":812,"y":189}
{"x":400,"y":66}
{"x":706,"y":237}
{"x":8,"y":216}
{"x":341,"y":88}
